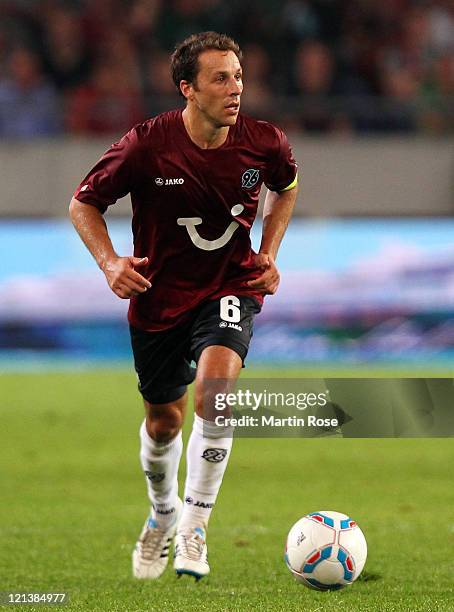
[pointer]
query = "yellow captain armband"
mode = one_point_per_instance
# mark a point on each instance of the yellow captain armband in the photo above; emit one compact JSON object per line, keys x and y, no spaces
{"x":293,"y":184}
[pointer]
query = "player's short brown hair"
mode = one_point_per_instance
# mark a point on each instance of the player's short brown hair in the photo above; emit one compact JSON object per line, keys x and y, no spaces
{"x":184,"y":61}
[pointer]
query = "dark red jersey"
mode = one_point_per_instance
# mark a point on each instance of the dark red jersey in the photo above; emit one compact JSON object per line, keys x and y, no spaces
{"x":192,"y":208}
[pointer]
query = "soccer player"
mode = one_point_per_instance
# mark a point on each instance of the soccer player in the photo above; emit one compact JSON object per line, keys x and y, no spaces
{"x":194,"y":283}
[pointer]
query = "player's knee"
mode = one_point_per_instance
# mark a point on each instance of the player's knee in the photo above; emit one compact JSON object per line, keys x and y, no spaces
{"x":163,"y":424}
{"x":164,"y":432}
{"x":207,"y":397}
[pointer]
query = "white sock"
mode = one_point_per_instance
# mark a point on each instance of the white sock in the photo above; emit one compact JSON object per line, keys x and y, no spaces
{"x":207,"y":456}
{"x":160,"y":461}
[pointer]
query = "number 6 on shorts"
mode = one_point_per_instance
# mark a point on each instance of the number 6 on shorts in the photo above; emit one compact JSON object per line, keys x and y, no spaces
{"x":230,"y":311}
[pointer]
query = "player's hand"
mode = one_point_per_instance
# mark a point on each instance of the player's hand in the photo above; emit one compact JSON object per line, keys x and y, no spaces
{"x":268,"y":282}
{"x":123,"y":278}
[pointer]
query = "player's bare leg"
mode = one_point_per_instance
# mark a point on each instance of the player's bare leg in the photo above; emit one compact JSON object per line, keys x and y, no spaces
{"x":160,"y":453}
{"x":207,"y":456}
{"x":164,"y":421}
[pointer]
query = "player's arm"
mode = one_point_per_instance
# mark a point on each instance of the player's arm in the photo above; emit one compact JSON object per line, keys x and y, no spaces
{"x":276,"y":216}
{"x":119,"y":271}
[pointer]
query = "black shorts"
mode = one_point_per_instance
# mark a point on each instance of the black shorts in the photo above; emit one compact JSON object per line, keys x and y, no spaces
{"x":162,"y":359}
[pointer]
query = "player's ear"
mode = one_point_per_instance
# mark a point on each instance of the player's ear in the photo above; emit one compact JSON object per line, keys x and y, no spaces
{"x":186,"y":89}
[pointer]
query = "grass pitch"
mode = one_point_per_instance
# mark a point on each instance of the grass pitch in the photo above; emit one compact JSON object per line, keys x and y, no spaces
{"x":73,"y":502}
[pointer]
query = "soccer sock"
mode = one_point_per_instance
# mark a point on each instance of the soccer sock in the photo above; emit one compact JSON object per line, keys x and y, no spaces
{"x":160,"y":461}
{"x":207,"y":456}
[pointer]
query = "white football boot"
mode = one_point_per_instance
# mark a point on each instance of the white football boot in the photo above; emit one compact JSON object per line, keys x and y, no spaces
{"x":191,"y":554}
{"x":151,"y":553}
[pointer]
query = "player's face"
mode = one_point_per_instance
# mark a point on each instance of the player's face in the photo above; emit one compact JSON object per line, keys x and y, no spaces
{"x":217,"y":90}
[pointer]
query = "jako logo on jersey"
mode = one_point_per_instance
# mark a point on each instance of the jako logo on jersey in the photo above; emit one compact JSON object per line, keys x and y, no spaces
{"x":250,"y":178}
{"x":232,"y":325}
{"x":173,"y":181}
{"x":210,"y":245}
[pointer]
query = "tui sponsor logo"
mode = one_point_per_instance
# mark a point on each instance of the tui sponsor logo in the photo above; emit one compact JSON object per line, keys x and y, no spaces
{"x":210,"y":245}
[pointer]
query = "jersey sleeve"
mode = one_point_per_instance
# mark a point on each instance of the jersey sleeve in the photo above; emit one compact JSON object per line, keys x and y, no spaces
{"x":282,"y":169}
{"x":112,"y":176}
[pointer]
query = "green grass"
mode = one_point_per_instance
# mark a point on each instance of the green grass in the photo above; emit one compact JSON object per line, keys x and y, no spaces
{"x":73,"y":501}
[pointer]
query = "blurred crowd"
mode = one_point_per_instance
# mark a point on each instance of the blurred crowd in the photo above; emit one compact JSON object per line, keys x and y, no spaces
{"x":94,"y":67}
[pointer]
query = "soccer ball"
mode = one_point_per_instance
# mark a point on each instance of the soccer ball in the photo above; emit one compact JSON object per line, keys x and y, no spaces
{"x":325,"y":550}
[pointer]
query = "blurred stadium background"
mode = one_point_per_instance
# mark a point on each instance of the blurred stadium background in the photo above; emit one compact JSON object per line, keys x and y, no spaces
{"x":365,"y":90}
